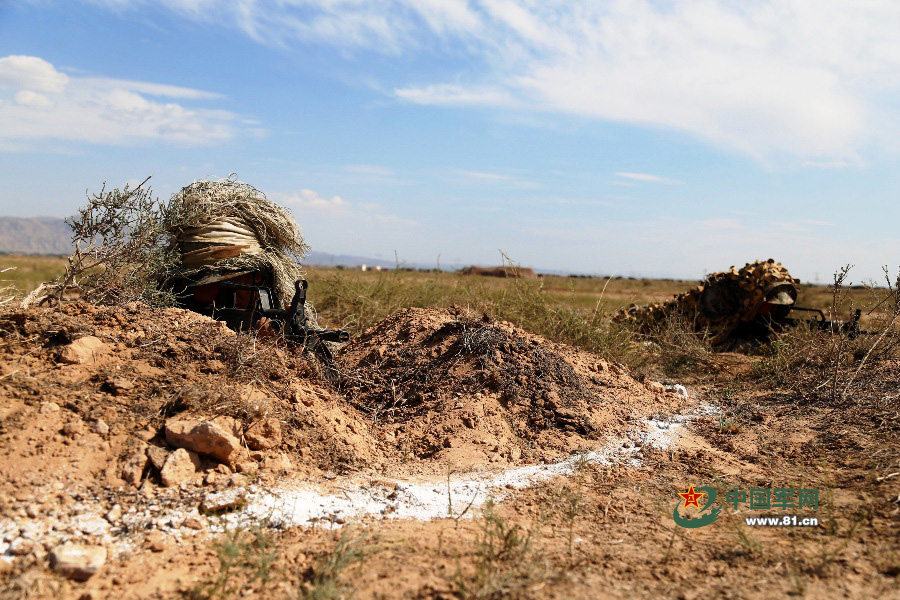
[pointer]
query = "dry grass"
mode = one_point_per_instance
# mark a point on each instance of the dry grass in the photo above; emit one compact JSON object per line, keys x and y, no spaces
{"x":507,"y":562}
{"x":326,"y":579}
{"x":571,"y":310}
{"x":828,"y":365}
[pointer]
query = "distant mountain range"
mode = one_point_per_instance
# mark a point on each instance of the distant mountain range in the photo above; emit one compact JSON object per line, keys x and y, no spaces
{"x":51,"y":236}
{"x":34,"y":235}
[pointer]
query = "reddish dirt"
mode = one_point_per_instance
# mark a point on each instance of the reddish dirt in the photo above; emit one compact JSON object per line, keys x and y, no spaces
{"x":466,"y":391}
{"x":424,"y":392}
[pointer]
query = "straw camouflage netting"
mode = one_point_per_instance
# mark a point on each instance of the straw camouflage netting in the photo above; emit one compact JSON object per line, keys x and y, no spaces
{"x":722,"y":301}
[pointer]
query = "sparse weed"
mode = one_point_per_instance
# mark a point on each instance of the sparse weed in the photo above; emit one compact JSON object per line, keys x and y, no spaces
{"x":569,"y":504}
{"x":8,"y":294}
{"x":324,"y":581}
{"x":245,"y":556}
{"x":747,"y":541}
{"x":679,"y":349}
{"x":815,"y":364}
{"x":506,"y":560}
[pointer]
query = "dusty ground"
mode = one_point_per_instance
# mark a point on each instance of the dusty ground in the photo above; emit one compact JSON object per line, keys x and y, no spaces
{"x":427,"y":395}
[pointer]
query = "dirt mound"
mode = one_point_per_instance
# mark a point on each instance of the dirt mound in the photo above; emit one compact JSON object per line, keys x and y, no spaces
{"x":449,"y":385}
{"x":83,"y":386}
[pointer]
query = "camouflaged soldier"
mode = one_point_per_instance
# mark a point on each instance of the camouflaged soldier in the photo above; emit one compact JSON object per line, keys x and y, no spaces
{"x":754,"y":298}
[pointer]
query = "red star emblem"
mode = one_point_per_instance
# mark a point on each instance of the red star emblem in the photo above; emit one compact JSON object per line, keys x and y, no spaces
{"x":691,"y":498}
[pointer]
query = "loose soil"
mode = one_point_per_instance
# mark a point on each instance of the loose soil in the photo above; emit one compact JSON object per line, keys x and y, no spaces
{"x":424,"y":394}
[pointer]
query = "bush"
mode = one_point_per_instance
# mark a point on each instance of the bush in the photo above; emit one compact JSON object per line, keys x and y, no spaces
{"x":123,"y":250}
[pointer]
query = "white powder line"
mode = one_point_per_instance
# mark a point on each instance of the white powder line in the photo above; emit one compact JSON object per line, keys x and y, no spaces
{"x":287,"y":506}
{"x":305,"y":505}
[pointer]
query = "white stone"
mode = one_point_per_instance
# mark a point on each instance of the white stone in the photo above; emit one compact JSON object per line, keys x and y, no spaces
{"x":77,"y":561}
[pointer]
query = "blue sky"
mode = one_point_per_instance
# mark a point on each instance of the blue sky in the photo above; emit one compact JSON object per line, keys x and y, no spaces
{"x":630,"y":137}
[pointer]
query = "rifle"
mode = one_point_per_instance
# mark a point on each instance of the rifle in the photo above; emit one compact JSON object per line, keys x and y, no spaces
{"x":849,"y":328}
{"x":292,"y":323}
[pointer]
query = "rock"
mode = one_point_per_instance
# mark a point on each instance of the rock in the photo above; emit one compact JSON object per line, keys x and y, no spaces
{"x":238,"y":480}
{"x":249,"y":467}
{"x":194,"y":522}
{"x":656,"y":387}
{"x":278,"y":462}
{"x":21,"y":547}
{"x":90,"y":524}
{"x":33,"y":510}
{"x":203,"y":437}
{"x":180,"y":466}
{"x":77,"y":561}
{"x":264,"y":435}
{"x":49,"y":407}
{"x":219,"y":501}
{"x":156,"y":540}
{"x":229,"y":424}
{"x":148,"y":490}
{"x":145,"y":434}
{"x":119,"y":385}
{"x":132,"y":470}
{"x":81,"y":351}
{"x":73,"y":428}
{"x":100,"y":428}
{"x":114,"y":514}
{"x":157,"y":456}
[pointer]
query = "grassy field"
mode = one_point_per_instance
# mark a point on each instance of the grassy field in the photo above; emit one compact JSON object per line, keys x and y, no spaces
{"x":357,"y":299}
{"x":25,"y":273}
{"x":571,"y":310}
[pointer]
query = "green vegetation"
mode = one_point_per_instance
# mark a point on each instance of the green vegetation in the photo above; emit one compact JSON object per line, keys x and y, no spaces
{"x":245,"y":556}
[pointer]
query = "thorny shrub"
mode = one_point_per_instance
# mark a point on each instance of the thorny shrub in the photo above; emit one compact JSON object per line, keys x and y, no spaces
{"x":123,"y":248}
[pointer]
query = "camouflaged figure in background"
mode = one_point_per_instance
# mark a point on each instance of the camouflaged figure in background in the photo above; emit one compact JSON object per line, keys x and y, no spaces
{"x":755,"y":297}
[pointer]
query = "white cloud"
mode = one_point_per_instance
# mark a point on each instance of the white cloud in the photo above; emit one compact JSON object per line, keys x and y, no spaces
{"x":39,"y":103}
{"x":30,"y":72}
{"x":485,"y":176}
{"x":311,"y":199}
{"x":810,"y":80}
{"x":648,"y":177}
{"x":33,"y":99}
{"x":453,"y":94}
{"x":307,"y":200}
{"x":496,"y":178}
{"x":826,"y":164}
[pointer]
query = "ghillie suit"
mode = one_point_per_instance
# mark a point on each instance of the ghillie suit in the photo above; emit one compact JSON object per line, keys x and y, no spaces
{"x":761,"y":293}
{"x":229,"y":230}
{"x":129,"y":246}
